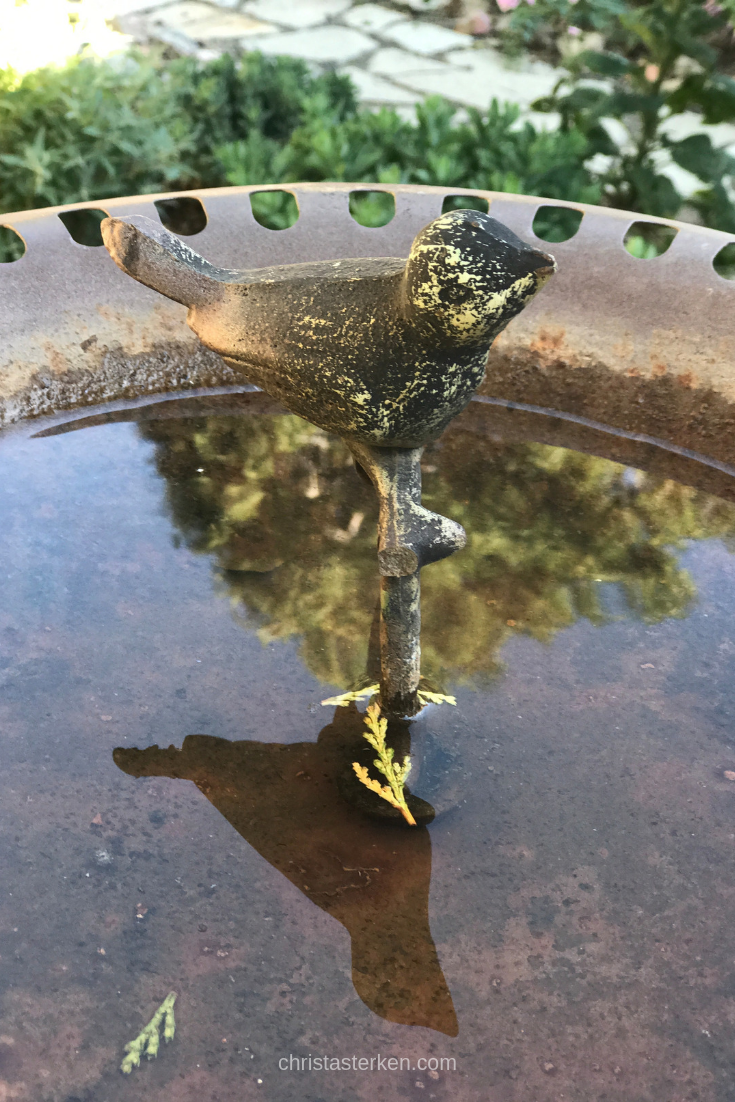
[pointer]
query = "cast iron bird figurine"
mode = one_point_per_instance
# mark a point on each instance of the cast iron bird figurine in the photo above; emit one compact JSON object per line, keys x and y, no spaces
{"x":381,"y":351}
{"x":384,"y":352}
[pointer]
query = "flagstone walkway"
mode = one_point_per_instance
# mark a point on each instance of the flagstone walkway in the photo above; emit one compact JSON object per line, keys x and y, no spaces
{"x":394,"y":55}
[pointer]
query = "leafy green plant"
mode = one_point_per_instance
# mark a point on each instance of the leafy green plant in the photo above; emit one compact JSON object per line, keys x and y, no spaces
{"x":256,"y":100}
{"x":661,"y":60}
{"x":548,"y":26}
{"x":490,"y":150}
{"x":93,"y":129}
{"x":87,"y":131}
{"x":11,"y":245}
{"x":136,"y":124}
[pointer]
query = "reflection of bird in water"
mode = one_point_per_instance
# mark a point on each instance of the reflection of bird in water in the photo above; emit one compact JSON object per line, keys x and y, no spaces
{"x":381,"y":351}
{"x":372,"y":876}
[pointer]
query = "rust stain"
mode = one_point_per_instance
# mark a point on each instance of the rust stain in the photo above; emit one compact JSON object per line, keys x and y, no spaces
{"x":548,"y":340}
{"x":624,"y":349}
{"x":687,"y":379}
{"x":56,"y":361}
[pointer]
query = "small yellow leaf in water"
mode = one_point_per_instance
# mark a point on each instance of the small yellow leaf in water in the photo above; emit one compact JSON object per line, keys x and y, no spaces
{"x":396,"y":775}
{"x":344,"y":699}
{"x":148,"y":1040}
{"x":427,"y":697}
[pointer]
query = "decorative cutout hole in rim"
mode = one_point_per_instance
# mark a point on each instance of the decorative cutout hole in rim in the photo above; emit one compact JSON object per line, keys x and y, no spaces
{"x":83,"y":226}
{"x":372,"y":208}
{"x":12,"y":245}
{"x":556,"y":223}
{"x":276,"y":210}
{"x":183,"y":214}
{"x":724,"y":262}
{"x":465,"y":202}
{"x":648,"y":240}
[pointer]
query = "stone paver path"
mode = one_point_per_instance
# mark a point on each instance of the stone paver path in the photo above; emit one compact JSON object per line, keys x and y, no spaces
{"x":395,"y":56}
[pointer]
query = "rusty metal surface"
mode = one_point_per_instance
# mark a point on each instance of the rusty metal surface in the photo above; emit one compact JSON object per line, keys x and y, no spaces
{"x":643,"y":345}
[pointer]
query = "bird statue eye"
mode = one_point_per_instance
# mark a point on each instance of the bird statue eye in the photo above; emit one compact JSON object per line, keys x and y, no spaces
{"x":455,"y":293}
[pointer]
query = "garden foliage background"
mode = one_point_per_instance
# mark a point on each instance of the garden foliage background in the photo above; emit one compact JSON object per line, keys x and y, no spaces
{"x":140,"y":123}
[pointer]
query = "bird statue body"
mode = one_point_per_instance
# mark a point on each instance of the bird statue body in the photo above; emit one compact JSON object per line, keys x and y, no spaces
{"x":383,"y":352}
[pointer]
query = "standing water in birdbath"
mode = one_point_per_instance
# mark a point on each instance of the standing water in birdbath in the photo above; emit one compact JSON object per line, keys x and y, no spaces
{"x":181,"y":585}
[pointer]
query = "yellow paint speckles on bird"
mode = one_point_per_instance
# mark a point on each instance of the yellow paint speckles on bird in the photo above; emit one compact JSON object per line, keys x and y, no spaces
{"x":467,"y":318}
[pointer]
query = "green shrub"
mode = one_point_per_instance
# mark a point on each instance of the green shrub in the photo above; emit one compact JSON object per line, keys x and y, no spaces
{"x":257,"y":98}
{"x":488,"y":151}
{"x":544,"y":26}
{"x":86,"y":131}
{"x":660,"y":59}
{"x":133,"y":125}
{"x":94,"y":129}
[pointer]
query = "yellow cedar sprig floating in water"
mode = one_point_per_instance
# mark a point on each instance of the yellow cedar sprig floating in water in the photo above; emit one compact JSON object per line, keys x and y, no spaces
{"x":148,"y":1039}
{"x":426,"y":696}
{"x":344,"y":699}
{"x":393,"y":773}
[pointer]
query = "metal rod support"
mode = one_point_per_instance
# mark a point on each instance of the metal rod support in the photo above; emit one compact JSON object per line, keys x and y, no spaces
{"x":409,"y":537}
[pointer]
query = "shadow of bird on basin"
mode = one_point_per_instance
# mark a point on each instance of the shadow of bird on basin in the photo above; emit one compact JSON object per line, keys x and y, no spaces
{"x":371,"y":875}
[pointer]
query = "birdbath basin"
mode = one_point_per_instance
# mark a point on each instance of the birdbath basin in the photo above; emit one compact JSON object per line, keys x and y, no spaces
{"x":187,"y":570}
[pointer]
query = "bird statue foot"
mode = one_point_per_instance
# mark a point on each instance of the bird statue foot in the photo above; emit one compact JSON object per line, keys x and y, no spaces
{"x":409,"y":536}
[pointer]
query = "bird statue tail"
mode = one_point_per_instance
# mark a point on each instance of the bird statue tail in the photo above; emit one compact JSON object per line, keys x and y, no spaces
{"x":146,"y":251}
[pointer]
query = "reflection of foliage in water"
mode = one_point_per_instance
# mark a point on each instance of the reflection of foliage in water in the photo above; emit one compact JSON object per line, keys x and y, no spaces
{"x":279,"y":505}
{"x":292,"y":528}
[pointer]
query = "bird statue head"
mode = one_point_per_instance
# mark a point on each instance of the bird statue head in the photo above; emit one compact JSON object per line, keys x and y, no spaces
{"x":468,"y":275}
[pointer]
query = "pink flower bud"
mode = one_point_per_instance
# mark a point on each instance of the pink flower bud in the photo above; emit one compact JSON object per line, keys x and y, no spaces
{"x":478,"y":22}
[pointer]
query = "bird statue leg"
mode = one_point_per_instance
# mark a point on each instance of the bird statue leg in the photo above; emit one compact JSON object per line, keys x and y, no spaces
{"x":409,"y":537}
